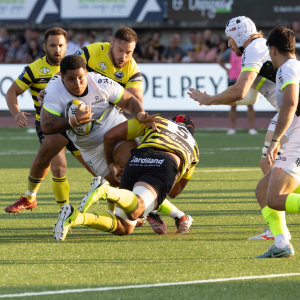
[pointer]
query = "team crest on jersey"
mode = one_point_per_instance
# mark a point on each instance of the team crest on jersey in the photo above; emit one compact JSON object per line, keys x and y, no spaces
{"x":102,"y":65}
{"x":119,"y":75}
{"x":79,"y":51}
{"x":22,"y":74}
{"x":44,"y":70}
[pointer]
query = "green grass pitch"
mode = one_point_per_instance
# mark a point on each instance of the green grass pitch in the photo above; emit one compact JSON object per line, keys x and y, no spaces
{"x":222,"y":204}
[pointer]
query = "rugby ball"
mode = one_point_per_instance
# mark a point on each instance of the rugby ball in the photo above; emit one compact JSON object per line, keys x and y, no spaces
{"x":82,"y":129}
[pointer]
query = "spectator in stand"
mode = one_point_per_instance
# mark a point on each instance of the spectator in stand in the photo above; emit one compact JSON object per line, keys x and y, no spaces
{"x":190,"y":57}
{"x":192,"y":42}
{"x":217,"y":40}
{"x":156,"y":43}
{"x":92,"y":37}
{"x":199,"y":42}
{"x":3,"y":51}
{"x":229,"y":56}
{"x":207,"y":34}
{"x":4,"y":38}
{"x":81,"y":40}
{"x":109,"y":38}
{"x":208,"y":54}
{"x":177,"y":38}
{"x":221,"y":49}
{"x":72,"y":46}
{"x":172,"y":54}
{"x":296,"y":29}
{"x":33,"y":52}
{"x":150,"y":54}
{"x":16,"y":51}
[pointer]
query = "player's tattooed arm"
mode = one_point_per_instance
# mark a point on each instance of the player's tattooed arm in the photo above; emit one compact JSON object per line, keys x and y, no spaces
{"x":52,"y":124}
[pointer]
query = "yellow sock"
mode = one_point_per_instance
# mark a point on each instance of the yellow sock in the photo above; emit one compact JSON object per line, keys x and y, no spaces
{"x":32,"y":187}
{"x":166,"y":207}
{"x":100,"y":221}
{"x":111,"y":207}
{"x":125,"y":199}
{"x":275,"y":220}
{"x":297,"y":190}
{"x":61,"y":190}
{"x":292,"y":203}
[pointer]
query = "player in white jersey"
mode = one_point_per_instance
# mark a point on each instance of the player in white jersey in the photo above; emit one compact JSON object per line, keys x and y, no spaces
{"x":257,"y":75}
{"x":274,"y":192}
{"x":100,"y":94}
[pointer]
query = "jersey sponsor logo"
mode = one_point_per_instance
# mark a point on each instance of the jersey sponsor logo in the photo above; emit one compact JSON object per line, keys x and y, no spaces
{"x":232,"y":29}
{"x":98,"y":100}
{"x":243,"y":59}
{"x":284,"y":158}
{"x":102,"y":65}
{"x":119,"y":75}
{"x":44,"y":70}
{"x":280,"y":76}
{"x":22,"y":74}
{"x":79,"y":51}
{"x":151,"y":161}
{"x":298,"y":161}
{"x":106,"y":80}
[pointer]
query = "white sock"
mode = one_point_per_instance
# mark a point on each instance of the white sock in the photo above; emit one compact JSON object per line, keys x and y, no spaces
{"x":281,"y":240}
{"x":176,"y":213}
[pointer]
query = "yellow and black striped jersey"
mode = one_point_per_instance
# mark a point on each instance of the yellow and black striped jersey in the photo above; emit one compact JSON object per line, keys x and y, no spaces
{"x":98,"y":61}
{"x":36,"y":77}
{"x":171,"y":137}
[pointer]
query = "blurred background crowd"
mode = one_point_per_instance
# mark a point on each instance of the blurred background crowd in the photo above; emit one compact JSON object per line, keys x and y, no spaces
{"x":205,"y":46}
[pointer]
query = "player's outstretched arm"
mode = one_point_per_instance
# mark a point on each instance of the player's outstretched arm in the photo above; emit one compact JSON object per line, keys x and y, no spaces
{"x":52,"y":123}
{"x":11,"y":98}
{"x":136,"y":93}
{"x":232,"y":94}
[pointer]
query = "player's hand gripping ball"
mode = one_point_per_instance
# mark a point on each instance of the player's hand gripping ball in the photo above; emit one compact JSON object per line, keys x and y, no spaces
{"x":81,"y":129}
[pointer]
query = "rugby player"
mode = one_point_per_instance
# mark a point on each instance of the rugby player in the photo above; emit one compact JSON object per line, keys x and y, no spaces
{"x":257,"y":74}
{"x":52,"y":150}
{"x":274,"y":192}
{"x":115,"y":61}
{"x":161,"y":165}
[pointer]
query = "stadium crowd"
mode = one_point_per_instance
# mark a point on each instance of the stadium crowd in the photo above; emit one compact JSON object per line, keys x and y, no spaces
{"x":203,"y":46}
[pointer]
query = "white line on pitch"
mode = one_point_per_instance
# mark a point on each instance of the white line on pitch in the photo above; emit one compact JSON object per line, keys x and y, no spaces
{"x":227,"y":170}
{"x":229,"y":149}
{"x":147,"y":285}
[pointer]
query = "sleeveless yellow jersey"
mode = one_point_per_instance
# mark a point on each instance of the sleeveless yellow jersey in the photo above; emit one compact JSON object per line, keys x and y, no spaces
{"x":98,"y":61}
{"x":36,"y":77}
{"x":171,"y":137}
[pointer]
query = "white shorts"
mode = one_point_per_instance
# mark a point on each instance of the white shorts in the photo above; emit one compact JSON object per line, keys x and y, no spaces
{"x":289,"y":160}
{"x":273,"y":124}
{"x":96,"y":160}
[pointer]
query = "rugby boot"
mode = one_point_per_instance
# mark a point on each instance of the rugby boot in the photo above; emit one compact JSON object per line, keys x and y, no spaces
{"x":265,"y":235}
{"x":157,"y":223}
{"x":22,"y":203}
{"x":66,"y":218}
{"x":94,"y":197}
{"x":274,"y":252}
{"x":183,"y":224}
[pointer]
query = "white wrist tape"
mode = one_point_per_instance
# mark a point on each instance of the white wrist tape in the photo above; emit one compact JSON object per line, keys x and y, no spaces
{"x":250,"y":99}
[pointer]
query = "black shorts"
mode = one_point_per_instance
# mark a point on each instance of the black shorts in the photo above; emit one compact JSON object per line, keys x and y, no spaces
{"x":71,"y":147}
{"x":153,"y":166}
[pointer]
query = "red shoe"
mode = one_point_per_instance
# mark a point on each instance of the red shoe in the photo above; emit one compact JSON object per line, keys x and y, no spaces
{"x":23,"y":203}
{"x":157,"y":223}
{"x":183,"y":224}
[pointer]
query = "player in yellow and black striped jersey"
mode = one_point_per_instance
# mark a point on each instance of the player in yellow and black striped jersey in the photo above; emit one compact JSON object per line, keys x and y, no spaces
{"x":114,"y":60}
{"x":35,"y":77}
{"x":160,"y":166}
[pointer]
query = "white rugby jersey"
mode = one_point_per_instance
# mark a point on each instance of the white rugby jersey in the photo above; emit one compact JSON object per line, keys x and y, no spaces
{"x":288,"y":73}
{"x":256,"y":58}
{"x":102,"y":94}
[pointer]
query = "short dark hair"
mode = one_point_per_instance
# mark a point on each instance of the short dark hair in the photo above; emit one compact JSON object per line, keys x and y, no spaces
{"x":186,"y":121}
{"x":55,"y":31}
{"x":126,"y":34}
{"x":283,"y":39}
{"x":72,"y":62}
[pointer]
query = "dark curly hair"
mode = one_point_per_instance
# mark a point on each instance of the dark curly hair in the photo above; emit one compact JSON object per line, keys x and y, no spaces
{"x":72,"y":62}
{"x":186,"y":121}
